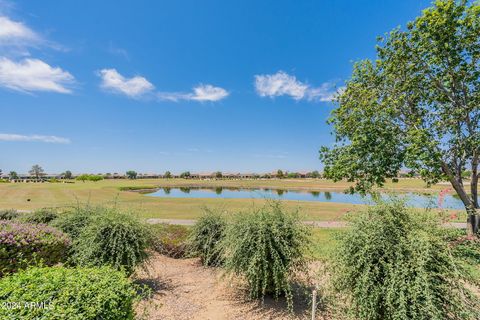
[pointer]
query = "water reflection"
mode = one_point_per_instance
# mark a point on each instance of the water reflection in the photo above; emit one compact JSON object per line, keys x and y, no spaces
{"x":185,"y":189}
{"x":328,"y":195}
{"x":414,"y":200}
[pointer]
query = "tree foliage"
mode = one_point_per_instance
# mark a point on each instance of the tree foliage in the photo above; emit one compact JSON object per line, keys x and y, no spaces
{"x":185,"y":175}
{"x":131,"y":174}
{"x":416,"y":107}
{"x":36,"y":171}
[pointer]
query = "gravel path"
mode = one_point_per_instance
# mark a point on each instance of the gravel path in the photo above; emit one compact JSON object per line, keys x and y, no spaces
{"x":185,"y":290}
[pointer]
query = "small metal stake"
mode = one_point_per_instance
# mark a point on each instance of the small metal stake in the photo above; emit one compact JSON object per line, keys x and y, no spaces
{"x":314,"y":303}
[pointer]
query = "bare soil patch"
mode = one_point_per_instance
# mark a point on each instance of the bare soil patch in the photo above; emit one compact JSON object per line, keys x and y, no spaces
{"x":184,"y":289}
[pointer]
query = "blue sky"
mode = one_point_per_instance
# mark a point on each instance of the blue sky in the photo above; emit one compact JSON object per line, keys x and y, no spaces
{"x":107,"y":86}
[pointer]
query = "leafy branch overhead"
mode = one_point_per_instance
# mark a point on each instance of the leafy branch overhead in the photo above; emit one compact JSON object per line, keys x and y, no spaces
{"x":416,"y":107}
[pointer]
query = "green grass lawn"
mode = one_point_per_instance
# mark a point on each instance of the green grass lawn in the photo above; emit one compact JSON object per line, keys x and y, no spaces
{"x":324,"y":243}
{"x":28,"y":196}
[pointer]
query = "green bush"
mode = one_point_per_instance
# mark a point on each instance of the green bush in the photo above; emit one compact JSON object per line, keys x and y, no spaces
{"x":24,"y":244}
{"x":395,"y":264}
{"x":267,"y":246}
{"x":170,"y":240}
{"x":9,"y":214}
{"x":113,"y":238}
{"x":45,"y":215}
{"x":76,"y":219}
{"x":64,"y":293}
{"x":206,"y":236}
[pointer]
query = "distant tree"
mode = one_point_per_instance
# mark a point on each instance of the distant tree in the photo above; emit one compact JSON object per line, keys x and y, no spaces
{"x":280,"y":174}
{"x":218,"y":174}
{"x":167,"y":175}
{"x":185,"y":175}
{"x":131,"y":174}
{"x":67,"y":174}
{"x":13,"y":175}
{"x":83,"y":177}
{"x":1,"y":173}
{"x":415,"y":107}
{"x":315,"y":174}
{"x":293,"y":175}
{"x":95,"y":177}
{"x":36,"y":171}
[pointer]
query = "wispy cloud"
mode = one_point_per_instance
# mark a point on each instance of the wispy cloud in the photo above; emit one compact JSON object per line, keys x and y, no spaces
{"x":33,"y":138}
{"x":29,"y":75}
{"x":13,"y":31}
{"x":283,"y":84}
{"x":117,"y":51}
{"x":200,"y":93}
{"x":134,"y":87}
{"x":16,"y":38}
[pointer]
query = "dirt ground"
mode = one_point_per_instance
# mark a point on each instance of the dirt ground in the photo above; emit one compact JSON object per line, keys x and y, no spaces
{"x":184,"y":289}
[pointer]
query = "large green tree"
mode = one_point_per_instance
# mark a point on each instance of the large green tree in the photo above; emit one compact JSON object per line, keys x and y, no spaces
{"x":417,"y":106}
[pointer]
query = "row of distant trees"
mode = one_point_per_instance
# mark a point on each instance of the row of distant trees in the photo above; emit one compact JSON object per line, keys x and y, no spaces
{"x":38,"y":172}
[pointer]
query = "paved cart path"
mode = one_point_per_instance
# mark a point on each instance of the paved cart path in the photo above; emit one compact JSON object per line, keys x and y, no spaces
{"x":316,"y":224}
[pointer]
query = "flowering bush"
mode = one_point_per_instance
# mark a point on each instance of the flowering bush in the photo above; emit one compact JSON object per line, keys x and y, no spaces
{"x":23,"y":244}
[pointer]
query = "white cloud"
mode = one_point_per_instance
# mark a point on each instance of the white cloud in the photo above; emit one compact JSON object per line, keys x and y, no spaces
{"x":200,"y":93}
{"x":32,"y":138}
{"x":279,"y":84}
{"x":30,"y":75}
{"x":12,"y":31}
{"x":326,"y":92}
{"x":134,"y":87}
{"x":283,"y":84}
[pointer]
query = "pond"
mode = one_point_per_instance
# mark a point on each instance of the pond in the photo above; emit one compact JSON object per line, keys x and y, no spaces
{"x":413,"y":199}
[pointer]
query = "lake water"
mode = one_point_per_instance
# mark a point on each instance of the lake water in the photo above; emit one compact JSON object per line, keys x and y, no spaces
{"x":413,"y":199}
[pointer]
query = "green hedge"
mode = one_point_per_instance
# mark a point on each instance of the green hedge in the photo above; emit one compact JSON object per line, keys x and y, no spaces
{"x":23,"y":244}
{"x":64,"y":293}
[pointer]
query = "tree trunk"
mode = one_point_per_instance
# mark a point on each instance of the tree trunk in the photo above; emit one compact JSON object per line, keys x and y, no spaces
{"x":473,"y":218}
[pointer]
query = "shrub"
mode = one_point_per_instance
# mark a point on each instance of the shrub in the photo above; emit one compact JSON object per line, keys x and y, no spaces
{"x":23,"y":244}
{"x":267,"y":246}
{"x":64,"y":293}
{"x":44,"y":215}
{"x":396,"y":264}
{"x":170,"y":239}
{"x":9,"y":214}
{"x":113,"y":238}
{"x":76,"y":219}
{"x":206,"y":236}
